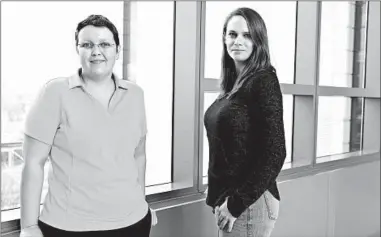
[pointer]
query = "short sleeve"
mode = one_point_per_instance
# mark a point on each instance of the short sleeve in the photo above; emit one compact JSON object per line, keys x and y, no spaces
{"x":43,"y":118}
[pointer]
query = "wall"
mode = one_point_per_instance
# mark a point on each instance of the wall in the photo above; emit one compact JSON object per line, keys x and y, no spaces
{"x":340,"y":203}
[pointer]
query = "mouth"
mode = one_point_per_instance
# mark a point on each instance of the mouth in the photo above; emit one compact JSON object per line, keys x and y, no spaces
{"x":97,"y":61}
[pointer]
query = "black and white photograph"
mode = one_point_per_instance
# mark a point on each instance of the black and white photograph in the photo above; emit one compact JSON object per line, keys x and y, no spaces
{"x":140,"y":118}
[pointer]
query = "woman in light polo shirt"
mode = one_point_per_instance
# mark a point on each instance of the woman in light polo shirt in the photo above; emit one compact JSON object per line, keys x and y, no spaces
{"x":93,"y":127}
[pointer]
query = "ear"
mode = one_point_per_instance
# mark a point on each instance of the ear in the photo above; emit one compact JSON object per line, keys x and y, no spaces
{"x":118,"y":49}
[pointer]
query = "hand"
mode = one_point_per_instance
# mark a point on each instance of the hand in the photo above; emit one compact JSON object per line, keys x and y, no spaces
{"x":153,"y":218}
{"x":223,"y":217}
{"x":32,"y":231}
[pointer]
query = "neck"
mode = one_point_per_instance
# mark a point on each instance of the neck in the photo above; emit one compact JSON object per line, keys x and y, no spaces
{"x":238,"y":67}
{"x":101,"y":80}
{"x":98,"y":83}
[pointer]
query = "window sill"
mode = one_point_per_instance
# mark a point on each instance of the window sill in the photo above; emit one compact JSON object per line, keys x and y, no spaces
{"x":329,"y":163}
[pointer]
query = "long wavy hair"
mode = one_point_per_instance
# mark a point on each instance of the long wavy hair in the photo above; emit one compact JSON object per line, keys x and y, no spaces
{"x":258,"y":61}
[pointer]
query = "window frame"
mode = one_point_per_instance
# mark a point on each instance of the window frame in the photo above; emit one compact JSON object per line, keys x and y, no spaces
{"x":189,"y":87}
{"x":306,"y":91}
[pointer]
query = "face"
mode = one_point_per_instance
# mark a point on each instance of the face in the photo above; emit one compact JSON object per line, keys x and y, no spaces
{"x":237,"y":40}
{"x":97,"y":51}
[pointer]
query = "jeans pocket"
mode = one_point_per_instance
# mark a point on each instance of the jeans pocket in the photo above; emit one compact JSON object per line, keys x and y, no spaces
{"x":240,"y":225}
{"x":272,"y":205}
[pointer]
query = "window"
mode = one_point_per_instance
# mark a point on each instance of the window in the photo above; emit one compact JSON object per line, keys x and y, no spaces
{"x":280,"y":20}
{"x":342,"y":44}
{"x":209,"y":98}
{"x":339,"y":125}
{"x":35,"y":54}
{"x":341,"y":64}
{"x":151,"y":66}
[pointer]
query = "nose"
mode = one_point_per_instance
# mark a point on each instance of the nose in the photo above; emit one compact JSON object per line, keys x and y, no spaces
{"x":238,"y":40}
{"x":95,"y":51}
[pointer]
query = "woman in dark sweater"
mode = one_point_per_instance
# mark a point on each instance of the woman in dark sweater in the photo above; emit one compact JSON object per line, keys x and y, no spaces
{"x":245,"y":132}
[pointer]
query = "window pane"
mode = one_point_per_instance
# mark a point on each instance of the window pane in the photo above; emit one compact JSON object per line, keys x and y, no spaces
{"x":210,"y":97}
{"x":280,"y":20}
{"x":342,"y":44}
{"x":151,"y":67}
{"x":32,"y":56}
{"x":339,"y":125}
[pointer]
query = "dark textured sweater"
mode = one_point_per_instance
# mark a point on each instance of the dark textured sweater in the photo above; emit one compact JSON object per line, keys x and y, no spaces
{"x":246,"y":144}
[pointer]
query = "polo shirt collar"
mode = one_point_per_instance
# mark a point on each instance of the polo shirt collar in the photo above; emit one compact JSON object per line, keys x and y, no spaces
{"x":76,"y":81}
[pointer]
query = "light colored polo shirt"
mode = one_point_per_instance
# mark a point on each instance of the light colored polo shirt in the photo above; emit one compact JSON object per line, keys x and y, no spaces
{"x":94,"y":181}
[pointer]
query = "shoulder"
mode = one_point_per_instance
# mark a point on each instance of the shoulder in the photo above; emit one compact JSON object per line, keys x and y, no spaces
{"x":55,"y":87}
{"x":261,"y":82}
{"x":133,"y":88}
{"x":57,"y":83}
{"x":264,"y":79}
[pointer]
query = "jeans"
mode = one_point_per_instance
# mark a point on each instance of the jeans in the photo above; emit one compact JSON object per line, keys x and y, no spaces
{"x":256,"y":221}
{"x":142,"y":229}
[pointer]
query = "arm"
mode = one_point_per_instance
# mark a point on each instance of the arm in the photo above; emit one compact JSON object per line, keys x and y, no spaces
{"x":35,"y":155}
{"x":272,"y":145}
{"x":41,"y":125}
{"x":140,"y":157}
{"x":237,"y":157}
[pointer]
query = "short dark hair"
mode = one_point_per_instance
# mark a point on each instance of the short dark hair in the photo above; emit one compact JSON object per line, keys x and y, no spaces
{"x":98,"y":21}
{"x":258,"y":61}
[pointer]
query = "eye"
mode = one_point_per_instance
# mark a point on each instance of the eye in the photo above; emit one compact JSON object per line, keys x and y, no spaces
{"x":105,"y":45}
{"x":247,"y":35}
{"x":232,"y":34}
{"x":87,"y":45}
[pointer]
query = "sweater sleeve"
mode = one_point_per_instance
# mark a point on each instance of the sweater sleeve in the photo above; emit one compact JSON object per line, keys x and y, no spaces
{"x":272,"y":142}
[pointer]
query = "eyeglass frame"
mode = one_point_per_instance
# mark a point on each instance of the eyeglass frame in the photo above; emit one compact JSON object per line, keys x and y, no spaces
{"x":93,"y":45}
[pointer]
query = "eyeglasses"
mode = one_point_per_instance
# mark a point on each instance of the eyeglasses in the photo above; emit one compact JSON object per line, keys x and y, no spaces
{"x":90,"y":45}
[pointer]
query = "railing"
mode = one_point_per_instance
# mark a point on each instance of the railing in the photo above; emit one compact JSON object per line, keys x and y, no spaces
{"x":11,"y":150}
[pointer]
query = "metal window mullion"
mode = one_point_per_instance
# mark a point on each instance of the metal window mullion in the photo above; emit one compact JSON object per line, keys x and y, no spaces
{"x":305,"y":116}
{"x":185,"y":148}
{"x":357,"y":80}
{"x":371,"y":125}
{"x":372,"y":60}
{"x":316,"y":83}
{"x":126,"y":37}
{"x":346,"y":92}
{"x":297,"y":89}
{"x":201,"y":19}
